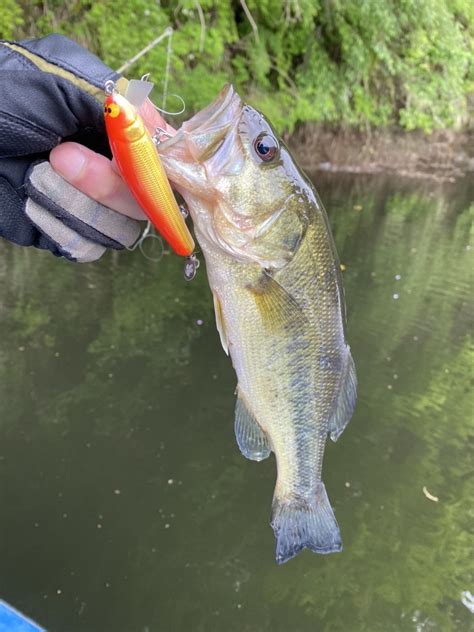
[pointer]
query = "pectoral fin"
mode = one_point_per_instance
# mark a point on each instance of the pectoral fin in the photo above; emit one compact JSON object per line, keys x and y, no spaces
{"x":276,"y":304}
{"x":345,"y":402}
{"x":220,"y":323}
{"x":251,"y":439}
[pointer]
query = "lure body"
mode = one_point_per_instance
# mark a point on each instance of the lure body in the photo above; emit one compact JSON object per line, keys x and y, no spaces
{"x":140,"y":166}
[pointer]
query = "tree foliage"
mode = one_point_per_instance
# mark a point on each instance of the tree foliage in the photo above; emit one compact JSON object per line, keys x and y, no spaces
{"x":371,"y":63}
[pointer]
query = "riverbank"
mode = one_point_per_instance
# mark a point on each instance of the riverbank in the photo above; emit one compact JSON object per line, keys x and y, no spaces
{"x":442,"y":155}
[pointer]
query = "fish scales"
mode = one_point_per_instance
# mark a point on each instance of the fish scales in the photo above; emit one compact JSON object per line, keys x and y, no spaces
{"x":274,"y":273}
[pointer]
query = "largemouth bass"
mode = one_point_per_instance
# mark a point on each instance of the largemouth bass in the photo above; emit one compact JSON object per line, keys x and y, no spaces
{"x":275,"y":277}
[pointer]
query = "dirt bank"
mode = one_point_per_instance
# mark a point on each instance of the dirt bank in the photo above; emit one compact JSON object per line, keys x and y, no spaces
{"x":444,"y":155}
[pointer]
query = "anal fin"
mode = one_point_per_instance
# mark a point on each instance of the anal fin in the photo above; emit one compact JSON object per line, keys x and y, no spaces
{"x":345,"y":402}
{"x":251,"y":439}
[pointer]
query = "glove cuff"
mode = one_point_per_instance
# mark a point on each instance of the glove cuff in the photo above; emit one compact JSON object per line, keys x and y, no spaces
{"x":80,"y":226}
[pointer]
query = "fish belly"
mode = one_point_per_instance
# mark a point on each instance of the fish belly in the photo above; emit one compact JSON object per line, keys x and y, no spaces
{"x":288,"y":356}
{"x":284,"y":333}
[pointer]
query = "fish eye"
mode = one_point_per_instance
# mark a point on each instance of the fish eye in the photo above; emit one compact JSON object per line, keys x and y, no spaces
{"x":266,"y":147}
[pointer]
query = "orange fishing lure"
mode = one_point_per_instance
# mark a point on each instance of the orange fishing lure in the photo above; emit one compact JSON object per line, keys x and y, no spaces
{"x":140,"y":166}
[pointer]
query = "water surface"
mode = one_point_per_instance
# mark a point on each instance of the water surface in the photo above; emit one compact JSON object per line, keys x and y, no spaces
{"x":125,"y":503}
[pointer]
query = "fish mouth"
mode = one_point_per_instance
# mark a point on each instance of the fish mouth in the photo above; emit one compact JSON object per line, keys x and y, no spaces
{"x":221,"y":108}
{"x":206,"y":146}
{"x":208,"y":125}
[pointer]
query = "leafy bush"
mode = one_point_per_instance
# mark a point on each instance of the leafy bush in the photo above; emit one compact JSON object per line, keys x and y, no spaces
{"x":370,"y":63}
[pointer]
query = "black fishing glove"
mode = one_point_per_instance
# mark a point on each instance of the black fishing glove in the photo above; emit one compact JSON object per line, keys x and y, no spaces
{"x":52,"y":90}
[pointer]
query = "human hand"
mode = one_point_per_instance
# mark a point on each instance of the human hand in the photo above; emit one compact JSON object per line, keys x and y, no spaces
{"x":53,"y":90}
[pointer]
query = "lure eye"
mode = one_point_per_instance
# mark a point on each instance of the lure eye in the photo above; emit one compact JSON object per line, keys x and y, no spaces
{"x":266,"y":147}
{"x":112,"y":110}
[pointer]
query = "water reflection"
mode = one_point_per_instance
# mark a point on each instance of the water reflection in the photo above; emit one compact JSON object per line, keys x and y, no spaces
{"x":127,"y":506}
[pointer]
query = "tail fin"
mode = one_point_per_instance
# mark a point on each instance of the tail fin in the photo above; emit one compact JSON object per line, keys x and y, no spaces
{"x":301,"y":523}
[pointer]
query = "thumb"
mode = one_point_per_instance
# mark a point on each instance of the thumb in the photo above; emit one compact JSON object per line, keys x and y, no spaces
{"x":95,"y":176}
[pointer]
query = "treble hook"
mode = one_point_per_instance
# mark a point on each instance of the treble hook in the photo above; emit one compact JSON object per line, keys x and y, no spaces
{"x":183,"y":108}
{"x":183,"y":209}
{"x":145,"y":78}
{"x":159,"y":132}
{"x":147,"y":234}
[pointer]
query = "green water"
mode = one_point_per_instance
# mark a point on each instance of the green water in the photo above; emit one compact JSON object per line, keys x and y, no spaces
{"x":125,"y":503}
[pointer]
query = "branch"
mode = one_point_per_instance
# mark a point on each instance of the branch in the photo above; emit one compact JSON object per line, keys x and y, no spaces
{"x":202,"y":36}
{"x":166,"y":33}
{"x":250,"y":19}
